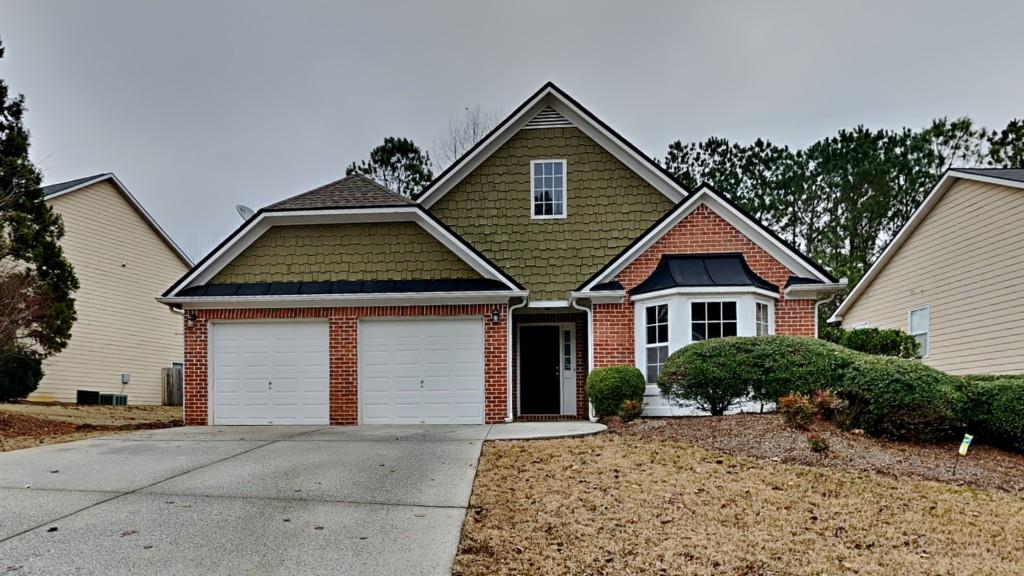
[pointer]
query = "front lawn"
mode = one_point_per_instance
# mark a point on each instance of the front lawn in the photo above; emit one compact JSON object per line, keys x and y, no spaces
{"x":636,"y":504}
{"x":25,"y":425}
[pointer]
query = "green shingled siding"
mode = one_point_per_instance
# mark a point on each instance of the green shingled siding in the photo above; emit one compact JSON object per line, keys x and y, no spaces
{"x":365,"y":251}
{"x":608,"y":205}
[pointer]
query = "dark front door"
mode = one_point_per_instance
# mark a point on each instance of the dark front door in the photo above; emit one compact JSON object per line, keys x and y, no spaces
{"x":539,"y":370}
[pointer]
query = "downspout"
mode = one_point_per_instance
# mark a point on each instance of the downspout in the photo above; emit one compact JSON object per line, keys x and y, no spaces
{"x":817,"y":304}
{"x":590,"y":346}
{"x":508,"y":360}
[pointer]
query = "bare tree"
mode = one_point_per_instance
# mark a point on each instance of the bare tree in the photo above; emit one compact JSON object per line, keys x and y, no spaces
{"x":463,"y":132}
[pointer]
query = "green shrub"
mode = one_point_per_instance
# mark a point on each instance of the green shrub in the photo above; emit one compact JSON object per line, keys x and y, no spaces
{"x":608,"y":388}
{"x":713,"y":375}
{"x":791,"y":364}
{"x":901,"y":399}
{"x":993,"y":409}
{"x":877,"y":341}
{"x":20,"y":373}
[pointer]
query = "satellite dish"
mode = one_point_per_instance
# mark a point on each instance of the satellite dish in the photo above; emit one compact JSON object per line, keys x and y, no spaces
{"x":244,"y":211}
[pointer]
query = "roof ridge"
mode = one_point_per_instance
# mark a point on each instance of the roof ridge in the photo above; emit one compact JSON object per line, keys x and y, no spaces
{"x":352,"y":191}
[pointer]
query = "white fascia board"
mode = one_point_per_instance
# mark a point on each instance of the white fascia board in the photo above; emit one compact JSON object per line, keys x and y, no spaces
{"x":258,"y":225}
{"x":985,"y":179}
{"x":343,"y":300}
{"x":580,"y":119}
{"x":705,"y":290}
{"x":548,"y":304}
{"x":933,"y":197}
{"x":600,"y":297}
{"x":807,"y":291}
{"x":135,"y":204}
{"x":748,"y":228}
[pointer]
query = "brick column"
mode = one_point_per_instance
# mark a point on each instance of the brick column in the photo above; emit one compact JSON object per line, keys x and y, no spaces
{"x":195,"y":381}
{"x":344,"y":363}
{"x":496,"y":367}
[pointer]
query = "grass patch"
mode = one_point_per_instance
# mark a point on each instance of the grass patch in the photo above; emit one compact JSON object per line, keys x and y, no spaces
{"x":619,"y":504}
{"x":26,"y":425}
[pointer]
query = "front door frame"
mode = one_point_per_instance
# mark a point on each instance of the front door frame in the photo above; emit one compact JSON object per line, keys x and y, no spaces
{"x":562,"y":327}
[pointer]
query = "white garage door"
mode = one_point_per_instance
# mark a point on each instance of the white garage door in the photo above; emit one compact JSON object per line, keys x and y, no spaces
{"x":421,"y":371}
{"x":270,"y":373}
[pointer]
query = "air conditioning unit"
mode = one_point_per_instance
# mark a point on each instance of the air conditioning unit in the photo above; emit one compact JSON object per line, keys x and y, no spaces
{"x":113,"y":400}
{"x":88,"y":397}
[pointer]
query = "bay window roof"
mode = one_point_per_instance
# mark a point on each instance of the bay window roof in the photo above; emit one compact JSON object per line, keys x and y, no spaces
{"x":702,"y":271}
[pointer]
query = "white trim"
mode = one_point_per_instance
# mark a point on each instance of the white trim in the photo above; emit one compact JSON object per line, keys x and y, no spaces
{"x":550,"y":96}
{"x":548,"y":304}
{"x":135,"y":204}
{"x":646,"y":345}
{"x":561,"y":368}
{"x":809,"y":291}
{"x":786,"y":256}
{"x":263,"y":221}
{"x":600,"y":297}
{"x":933,"y":197}
{"x":509,"y":416}
{"x":344,"y":300}
{"x":590,"y":348}
{"x":565,"y":191}
{"x":927,"y":328}
{"x":705,"y":290}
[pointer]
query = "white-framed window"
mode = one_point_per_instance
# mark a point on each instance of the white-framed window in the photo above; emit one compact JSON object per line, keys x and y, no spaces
{"x":712,"y":319}
{"x":762,"y":319}
{"x":547,"y":189}
{"x":567,"y":350}
{"x":917,"y":321}
{"x":656,"y":340}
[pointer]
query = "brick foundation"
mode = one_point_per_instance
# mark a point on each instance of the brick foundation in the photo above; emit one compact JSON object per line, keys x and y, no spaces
{"x":343,"y":346}
{"x":703,"y":231}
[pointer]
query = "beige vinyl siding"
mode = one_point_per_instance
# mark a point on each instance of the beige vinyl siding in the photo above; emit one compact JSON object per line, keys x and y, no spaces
{"x":965,"y":261}
{"x":122,"y":265}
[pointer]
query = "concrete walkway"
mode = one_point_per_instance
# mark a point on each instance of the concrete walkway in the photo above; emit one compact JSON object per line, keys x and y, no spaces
{"x":247,"y":500}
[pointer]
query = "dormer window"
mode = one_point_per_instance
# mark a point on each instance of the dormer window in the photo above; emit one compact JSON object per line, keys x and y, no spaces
{"x":547,"y":189}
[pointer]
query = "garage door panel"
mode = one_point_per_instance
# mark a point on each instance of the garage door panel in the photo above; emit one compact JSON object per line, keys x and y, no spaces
{"x":421,"y":371}
{"x":270,"y":373}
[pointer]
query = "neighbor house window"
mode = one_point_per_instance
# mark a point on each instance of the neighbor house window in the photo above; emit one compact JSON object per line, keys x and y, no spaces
{"x":712,"y":320}
{"x":919,"y":328}
{"x":656,"y":323}
{"x":548,"y":189}
{"x":761,"y":319}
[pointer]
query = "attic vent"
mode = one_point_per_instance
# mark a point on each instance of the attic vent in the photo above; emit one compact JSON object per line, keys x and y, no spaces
{"x":548,"y":118}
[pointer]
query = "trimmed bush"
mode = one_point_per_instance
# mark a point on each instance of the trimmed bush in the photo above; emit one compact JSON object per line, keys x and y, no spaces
{"x":901,"y":399}
{"x":877,"y":341}
{"x":993,"y":409}
{"x":790,"y":364}
{"x":20,"y":373}
{"x":608,"y":388}
{"x":714,"y":375}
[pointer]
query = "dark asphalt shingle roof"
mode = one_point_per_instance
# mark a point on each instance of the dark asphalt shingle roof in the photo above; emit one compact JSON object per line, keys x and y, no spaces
{"x":344,"y":287}
{"x":702,"y":270}
{"x":1016,"y":174}
{"x":62,"y":186}
{"x":798,"y":280}
{"x":355,"y":191}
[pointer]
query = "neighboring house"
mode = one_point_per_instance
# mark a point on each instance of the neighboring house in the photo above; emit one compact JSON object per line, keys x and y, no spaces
{"x":551,"y":247}
{"x":952,"y":275}
{"x":122,"y":259}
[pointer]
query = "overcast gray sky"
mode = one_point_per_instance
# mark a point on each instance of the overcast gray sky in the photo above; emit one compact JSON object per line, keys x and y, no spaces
{"x":201,"y":105}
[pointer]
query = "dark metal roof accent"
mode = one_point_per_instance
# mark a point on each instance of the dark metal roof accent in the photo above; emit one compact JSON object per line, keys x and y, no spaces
{"x":355,"y":191}
{"x":62,"y":186}
{"x":613,"y":286}
{"x":702,"y":270}
{"x":1015,"y":174}
{"x":343,"y":287}
{"x":797,"y":280}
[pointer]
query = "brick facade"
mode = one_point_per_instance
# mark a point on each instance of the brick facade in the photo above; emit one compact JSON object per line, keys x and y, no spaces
{"x":343,"y":361}
{"x":579,"y":320}
{"x":702,"y":231}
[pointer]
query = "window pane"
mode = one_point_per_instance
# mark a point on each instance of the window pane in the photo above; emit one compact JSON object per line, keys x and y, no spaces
{"x":652,"y":334}
{"x":697,"y":311}
{"x":652,"y":374}
{"x":556,"y":208}
{"x":729,"y":329}
{"x":714,"y":310}
{"x":714,"y":330}
{"x":662,"y":313}
{"x":662,"y":354}
{"x":728,"y":310}
{"x":922,"y":340}
{"x":651,"y":313}
{"x":557,"y":182}
{"x":556,"y":168}
{"x":662,"y":333}
{"x":556,"y":195}
{"x":918,"y":320}
{"x":699,"y":332}
{"x":538,"y":209}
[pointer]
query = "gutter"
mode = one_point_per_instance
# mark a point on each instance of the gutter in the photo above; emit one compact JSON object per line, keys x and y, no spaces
{"x":574,"y":302}
{"x":367,"y":299}
{"x":818,"y":305}
{"x":508,"y":360}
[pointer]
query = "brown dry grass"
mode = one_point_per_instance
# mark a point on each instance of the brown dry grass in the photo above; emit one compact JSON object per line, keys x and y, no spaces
{"x":612,"y":504}
{"x":27,"y":425}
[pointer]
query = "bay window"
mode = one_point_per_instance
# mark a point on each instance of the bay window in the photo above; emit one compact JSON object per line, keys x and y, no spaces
{"x":656,"y":340}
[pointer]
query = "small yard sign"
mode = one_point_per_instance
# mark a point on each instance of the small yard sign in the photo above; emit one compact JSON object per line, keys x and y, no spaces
{"x":965,"y":444}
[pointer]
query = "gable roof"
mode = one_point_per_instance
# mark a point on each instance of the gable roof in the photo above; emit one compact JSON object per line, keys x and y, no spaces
{"x":56,"y":190}
{"x":752,"y":228}
{"x":550,"y":98}
{"x":354,"y":191}
{"x":1010,"y":177}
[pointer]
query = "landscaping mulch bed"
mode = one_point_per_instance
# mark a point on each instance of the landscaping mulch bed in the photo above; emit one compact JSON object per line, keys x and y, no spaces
{"x":629,"y":503}
{"x":26,"y":425}
{"x":766,"y":436}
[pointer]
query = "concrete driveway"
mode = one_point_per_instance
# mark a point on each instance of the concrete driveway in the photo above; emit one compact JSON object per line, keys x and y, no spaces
{"x":240,"y":500}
